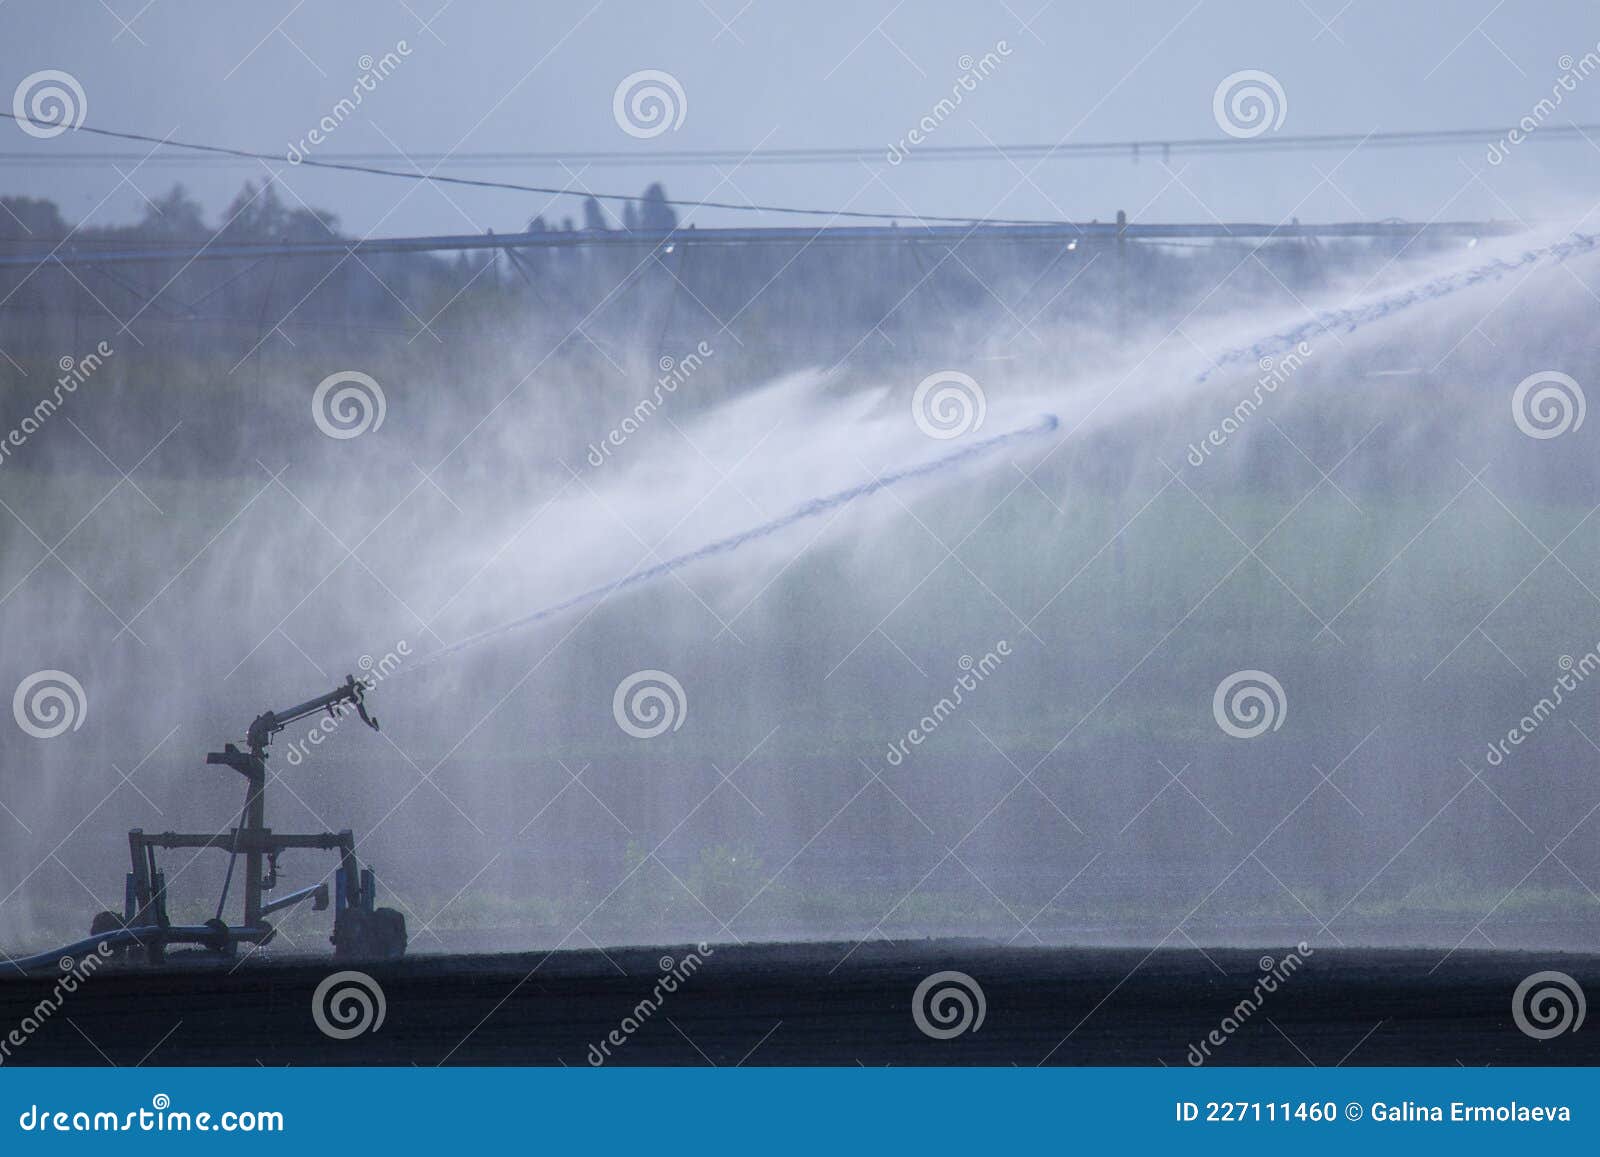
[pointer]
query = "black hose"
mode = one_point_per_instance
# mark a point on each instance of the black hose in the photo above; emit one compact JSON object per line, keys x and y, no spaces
{"x":121,"y":938}
{"x":213,"y":935}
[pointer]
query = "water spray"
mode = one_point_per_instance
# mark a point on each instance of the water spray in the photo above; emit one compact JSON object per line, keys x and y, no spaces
{"x":812,"y":509}
{"x":1348,"y":320}
{"x":1385,"y":305}
{"x":361,"y":929}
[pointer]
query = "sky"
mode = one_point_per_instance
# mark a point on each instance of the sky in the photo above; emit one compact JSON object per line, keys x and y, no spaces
{"x":757,"y":75}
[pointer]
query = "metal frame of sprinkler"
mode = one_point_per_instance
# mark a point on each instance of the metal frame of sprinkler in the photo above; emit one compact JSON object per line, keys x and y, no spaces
{"x":361,"y":930}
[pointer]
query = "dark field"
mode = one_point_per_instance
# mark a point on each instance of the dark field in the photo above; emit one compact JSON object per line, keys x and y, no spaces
{"x":818,"y":1004}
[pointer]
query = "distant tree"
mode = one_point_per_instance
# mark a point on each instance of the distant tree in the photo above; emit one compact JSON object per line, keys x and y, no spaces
{"x":594,"y":217}
{"x":260,"y":214}
{"x":175,"y":216}
{"x":25,"y":217}
{"x":308,"y":225}
{"x":655,"y":215}
{"x":255,"y":213}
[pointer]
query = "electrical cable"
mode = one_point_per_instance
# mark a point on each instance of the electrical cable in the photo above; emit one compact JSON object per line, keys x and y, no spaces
{"x":550,"y":190}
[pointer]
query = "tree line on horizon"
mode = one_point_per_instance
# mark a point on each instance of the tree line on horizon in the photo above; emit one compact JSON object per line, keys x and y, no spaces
{"x":258,"y":213}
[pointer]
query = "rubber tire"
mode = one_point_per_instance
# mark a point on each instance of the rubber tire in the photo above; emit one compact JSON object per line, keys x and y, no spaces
{"x":350,"y":935}
{"x":376,"y":935}
{"x":387,"y":929}
{"x":104,"y":922}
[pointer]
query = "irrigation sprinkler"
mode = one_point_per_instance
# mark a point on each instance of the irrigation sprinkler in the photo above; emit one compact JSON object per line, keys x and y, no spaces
{"x":361,"y":930}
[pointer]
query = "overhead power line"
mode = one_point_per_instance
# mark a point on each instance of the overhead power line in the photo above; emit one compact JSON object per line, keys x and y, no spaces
{"x":483,"y":183}
{"x":946,"y":154}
